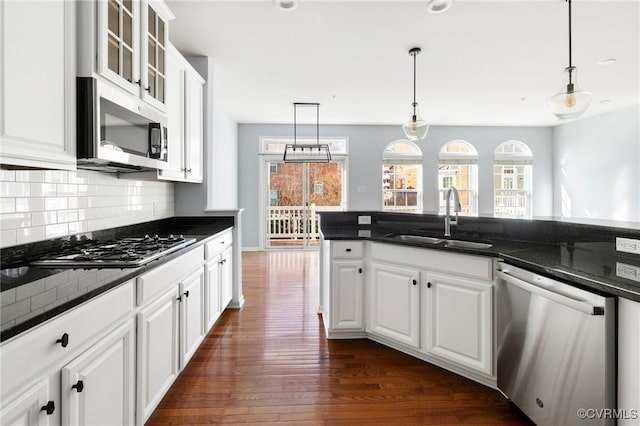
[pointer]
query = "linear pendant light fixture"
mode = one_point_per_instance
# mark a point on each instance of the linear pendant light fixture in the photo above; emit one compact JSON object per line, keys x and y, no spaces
{"x":416,"y":128}
{"x":570,"y":101}
{"x":306,"y":153}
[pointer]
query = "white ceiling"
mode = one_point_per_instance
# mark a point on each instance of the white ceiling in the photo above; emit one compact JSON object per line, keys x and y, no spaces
{"x":482,"y":62}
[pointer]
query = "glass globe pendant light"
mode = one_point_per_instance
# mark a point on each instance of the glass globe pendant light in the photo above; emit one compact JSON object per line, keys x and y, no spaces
{"x":416,"y":128}
{"x":570,"y":101}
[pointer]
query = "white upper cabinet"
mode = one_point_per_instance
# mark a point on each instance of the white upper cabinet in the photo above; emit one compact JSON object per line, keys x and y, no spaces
{"x":185,"y":115}
{"x":125,"y":42}
{"x":37,"y":84}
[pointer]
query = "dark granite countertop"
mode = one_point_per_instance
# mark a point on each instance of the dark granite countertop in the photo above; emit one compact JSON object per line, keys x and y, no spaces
{"x":50,"y":292}
{"x":590,"y":262}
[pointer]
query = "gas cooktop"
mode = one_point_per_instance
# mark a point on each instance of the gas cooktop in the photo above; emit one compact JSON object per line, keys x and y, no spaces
{"x":122,"y":253}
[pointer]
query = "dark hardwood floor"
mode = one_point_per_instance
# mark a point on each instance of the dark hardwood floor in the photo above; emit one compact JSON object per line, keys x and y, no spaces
{"x":270,"y":363}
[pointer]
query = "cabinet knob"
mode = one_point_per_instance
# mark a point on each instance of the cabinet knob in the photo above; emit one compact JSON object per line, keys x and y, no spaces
{"x":429,"y":285}
{"x":139,"y":83}
{"x":414,"y":282}
{"x":188,"y":170}
{"x":359,"y":270}
{"x":79,"y":386}
{"x":348,"y":250}
{"x":49,"y":408}
{"x":186,"y":293}
{"x":64,"y":340}
{"x":179,"y":298}
{"x":148,"y":89}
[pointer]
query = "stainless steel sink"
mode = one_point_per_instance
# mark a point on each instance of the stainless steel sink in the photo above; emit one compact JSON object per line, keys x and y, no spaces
{"x":441,"y":241}
{"x":466,"y":244}
{"x":419,"y":238}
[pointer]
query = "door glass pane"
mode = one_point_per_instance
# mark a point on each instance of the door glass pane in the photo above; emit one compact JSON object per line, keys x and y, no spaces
{"x":127,"y":64}
{"x":151,"y":81}
{"x":127,"y":29}
{"x":160,"y":36}
{"x":160,"y":64}
{"x":114,"y":55}
{"x":151,"y":52}
{"x":284,"y":215}
{"x":160,"y":96}
{"x":114,"y":17}
{"x":151,"y":21}
{"x":128,"y":4}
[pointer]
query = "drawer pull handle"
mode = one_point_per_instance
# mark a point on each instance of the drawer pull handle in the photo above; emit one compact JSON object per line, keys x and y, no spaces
{"x":414,"y":282}
{"x":49,"y":408}
{"x":348,"y":250}
{"x":64,"y":340}
{"x":428,"y":285}
{"x":359,"y":270}
{"x":79,"y":387}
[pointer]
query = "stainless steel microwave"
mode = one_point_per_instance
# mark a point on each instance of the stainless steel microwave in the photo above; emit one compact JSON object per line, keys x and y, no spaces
{"x":117,"y":132}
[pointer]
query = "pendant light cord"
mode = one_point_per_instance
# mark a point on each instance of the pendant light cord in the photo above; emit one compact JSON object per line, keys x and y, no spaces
{"x":570,"y":62}
{"x":414,"y":54}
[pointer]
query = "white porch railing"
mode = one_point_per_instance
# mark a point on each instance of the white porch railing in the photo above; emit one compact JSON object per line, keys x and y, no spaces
{"x":512,"y":203}
{"x":291,"y":222}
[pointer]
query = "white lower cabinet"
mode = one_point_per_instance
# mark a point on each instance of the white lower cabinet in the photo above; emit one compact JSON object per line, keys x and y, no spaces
{"x":628,"y":366}
{"x":98,"y":387}
{"x":218,"y":277}
{"x":458,"y":324}
{"x":35,"y":406}
{"x":394,"y":303}
{"x":158,"y":351}
{"x":347,"y":313}
{"x":192,"y":315}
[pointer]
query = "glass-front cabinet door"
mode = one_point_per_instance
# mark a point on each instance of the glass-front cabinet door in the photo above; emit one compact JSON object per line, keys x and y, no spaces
{"x":119,"y":55}
{"x":155,"y":34}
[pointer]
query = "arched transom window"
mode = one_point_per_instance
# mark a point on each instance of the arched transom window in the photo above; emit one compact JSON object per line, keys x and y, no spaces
{"x":402,"y":177}
{"x":512,"y":180}
{"x":458,"y":167}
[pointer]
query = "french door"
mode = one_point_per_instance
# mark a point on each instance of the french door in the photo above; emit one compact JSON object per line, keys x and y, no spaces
{"x":295,"y":193}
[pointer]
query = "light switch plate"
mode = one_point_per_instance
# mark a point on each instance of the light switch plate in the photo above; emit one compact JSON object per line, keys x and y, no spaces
{"x":364,"y":220}
{"x":629,"y":272}
{"x":628,"y":245}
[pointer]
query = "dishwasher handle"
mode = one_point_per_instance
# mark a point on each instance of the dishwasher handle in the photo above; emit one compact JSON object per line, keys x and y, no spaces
{"x":565,"y":300}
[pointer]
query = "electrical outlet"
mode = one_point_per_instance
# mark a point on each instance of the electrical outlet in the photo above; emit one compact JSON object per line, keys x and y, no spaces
{"x":629,"y":272}
{"x":364,"y":220}
{"x":628,"y":245}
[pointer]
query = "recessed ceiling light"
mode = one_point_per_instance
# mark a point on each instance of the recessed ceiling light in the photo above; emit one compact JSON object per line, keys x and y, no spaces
{"x":438,"y":6}
{"x":286,"y":4}
{"x":607,"y":61}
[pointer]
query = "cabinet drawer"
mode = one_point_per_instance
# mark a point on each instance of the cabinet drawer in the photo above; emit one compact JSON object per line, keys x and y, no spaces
{"x":160,"y":279}
{"x":347,"y":249}
{"x":36,"y":351}
{"x":218,"y":244}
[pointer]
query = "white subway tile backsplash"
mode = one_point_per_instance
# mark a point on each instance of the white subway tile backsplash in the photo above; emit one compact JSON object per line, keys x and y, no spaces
{"x":56,"y":231}
{"x":30,"y":235}
{"x":56,"y":203}
{"x":34,"y":204}
{"x":8,"y":238}
{"x":15,"y":220}
{"x":31,"y":289}
{"x":7,"y":205}
{"x":14,"y":189}
{"x":40,"y":189}
{"x":40,"y":204}
{"x":56,"y":176}
{"x":15,"y":310}
{"x":7,"y":297}
{"x":30,"y":176}
{"x":44,"y":218}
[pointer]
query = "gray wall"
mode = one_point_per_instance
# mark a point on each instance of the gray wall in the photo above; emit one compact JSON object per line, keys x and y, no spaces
{"x":597,"y":167}
{"x":219,"y":189}
{"x":365,"y":165}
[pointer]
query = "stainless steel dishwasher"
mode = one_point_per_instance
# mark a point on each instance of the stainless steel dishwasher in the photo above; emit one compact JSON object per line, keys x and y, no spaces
{"x":556,"y":349}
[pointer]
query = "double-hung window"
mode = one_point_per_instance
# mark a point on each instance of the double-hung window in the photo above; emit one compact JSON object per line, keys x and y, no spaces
{"x":512,"y":180}
{"x":402,"y":177}
{"x":458,"y":167}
